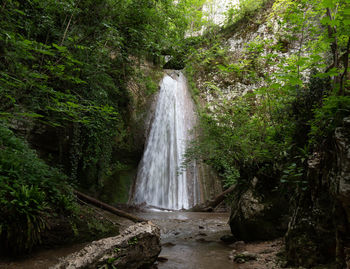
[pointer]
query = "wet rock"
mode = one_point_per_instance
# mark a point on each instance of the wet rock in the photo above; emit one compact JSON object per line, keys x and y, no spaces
{"x":232,"y":254}
{"x":237,"y":244}
{"x":162,"y":259}
{"x":138,"y":246}
{"x":266,"y":251}
{"x":168,"y":244}
{"x":245,"y":257}
{"x":256,"y":216}
{"x":228,"y":239}
{"x":202,"y":240}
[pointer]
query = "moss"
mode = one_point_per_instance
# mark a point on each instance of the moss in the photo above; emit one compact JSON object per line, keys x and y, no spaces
{"x":117,"y":187}
{"x":87,"y":224}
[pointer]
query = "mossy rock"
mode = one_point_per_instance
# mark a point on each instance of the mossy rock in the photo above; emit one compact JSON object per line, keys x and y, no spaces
{"x":84,"y":226}
{"x":258,"y":217}
{"x":309,"y":241}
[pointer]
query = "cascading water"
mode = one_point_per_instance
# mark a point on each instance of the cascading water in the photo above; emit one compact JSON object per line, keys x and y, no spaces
{"x":159,"y":180}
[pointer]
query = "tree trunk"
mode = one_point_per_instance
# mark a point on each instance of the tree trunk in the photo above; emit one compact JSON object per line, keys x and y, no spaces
{"x":211,"y":204}
{"x":107,"y":207}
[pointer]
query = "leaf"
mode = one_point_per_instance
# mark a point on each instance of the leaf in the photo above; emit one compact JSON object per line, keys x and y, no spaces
{"x":328,"y":3}
{"x":59,"y":48}
{"x":31,"y":115}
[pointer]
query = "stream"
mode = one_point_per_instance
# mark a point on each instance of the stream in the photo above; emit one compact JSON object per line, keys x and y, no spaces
{"x":191,"y":240}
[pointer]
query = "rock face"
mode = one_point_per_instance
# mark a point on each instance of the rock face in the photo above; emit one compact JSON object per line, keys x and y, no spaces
{"x":320,"y":227}
{"x":138,"y":246}
{"x":253,"y":217}
{"x":341,"y":191}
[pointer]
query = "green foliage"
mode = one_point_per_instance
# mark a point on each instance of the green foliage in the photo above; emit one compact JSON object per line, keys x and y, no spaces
{"x":244,"y":10}
{"x":30,"y":192}
{"x":238,"y":138}
{"x":329,"y":116}
{"x":67,"y":65}
{"x":133,"y":241}
{"x":297,"y":102}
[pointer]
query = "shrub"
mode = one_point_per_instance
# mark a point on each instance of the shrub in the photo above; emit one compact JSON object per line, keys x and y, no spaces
{"x":329,"y":116}
{"x":30,"y":191}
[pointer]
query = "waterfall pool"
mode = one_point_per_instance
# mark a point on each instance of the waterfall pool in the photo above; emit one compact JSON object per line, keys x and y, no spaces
{"x":191,"y":240}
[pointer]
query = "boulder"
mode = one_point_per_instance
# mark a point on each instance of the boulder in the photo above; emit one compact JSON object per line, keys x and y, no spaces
{"x":138,"y":246}
{"x":255,"y":216}
{"x":229,"y":239}
{"x":245,"y":256}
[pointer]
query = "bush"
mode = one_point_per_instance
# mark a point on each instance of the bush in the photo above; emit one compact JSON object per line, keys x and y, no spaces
{"x":245,"y":9}
{"x":329,"y":116}
{"x":30,"y":191}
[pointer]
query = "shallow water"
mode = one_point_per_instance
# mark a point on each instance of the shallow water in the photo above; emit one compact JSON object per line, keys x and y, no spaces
{"x":191,"y":240}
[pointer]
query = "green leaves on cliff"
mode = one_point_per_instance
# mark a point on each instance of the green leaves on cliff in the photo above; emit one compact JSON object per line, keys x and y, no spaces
{"x":67,"y":64}
{"x":295,"y":79}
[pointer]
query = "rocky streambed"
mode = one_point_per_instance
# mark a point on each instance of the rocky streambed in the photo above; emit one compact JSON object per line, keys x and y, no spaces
{"x":195,"y":240}
{"x":192,"y":240}
{"x":189,"y":240}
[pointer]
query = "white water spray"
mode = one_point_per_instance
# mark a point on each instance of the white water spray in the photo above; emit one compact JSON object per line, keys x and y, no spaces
{"x":159,"y":181}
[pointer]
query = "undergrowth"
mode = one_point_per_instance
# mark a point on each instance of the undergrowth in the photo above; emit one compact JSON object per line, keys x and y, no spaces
{"x":30,"y":193}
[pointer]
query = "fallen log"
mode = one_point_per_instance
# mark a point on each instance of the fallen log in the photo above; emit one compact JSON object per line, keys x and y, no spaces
{"x":107,"y":207}
{"x":137,"y":247}
{"x":211,"y":204}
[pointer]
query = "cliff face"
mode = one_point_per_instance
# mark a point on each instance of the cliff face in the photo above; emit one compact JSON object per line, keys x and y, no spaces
{"x":143,"y":91}
{"x":319,"y":228}
{"x":341,"y":192}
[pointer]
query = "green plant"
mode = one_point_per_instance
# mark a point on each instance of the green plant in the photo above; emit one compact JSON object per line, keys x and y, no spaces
{"x":30,"y":192}
{"x":329,"y":116}
{"x":133,"y":241}
{"x":244,"y":10}
{"x":26,"y":217}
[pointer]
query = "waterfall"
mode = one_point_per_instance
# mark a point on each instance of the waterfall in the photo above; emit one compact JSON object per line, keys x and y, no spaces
{"x":160,"y":182}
